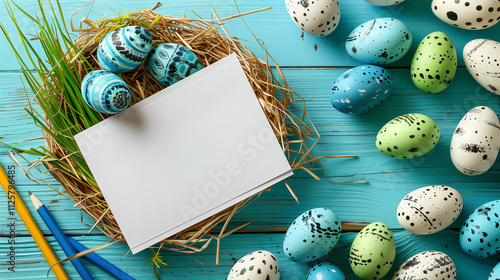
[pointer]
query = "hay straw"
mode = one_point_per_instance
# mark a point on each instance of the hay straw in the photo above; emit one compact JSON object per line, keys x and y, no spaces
{"x":202,"y":37}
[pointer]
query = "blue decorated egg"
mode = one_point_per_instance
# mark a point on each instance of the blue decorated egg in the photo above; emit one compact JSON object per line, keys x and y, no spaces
{"x":169,"y":63}
{"x":105,"y":92}
{"x":495,"y":273}
{"x":124,"y":49}
{"x":325,"y":271}
{"x":379,"y":41}
{"x":361,"y":89}
{"x":312,"y":235}
{"x":480,"y":232}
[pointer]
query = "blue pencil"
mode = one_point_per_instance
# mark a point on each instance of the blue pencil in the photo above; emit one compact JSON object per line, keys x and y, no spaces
{"x":60,"y":237}
{"x":100,"y":261}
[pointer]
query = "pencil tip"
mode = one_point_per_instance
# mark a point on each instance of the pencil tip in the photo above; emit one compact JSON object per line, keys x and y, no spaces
{"x":29,"y":193}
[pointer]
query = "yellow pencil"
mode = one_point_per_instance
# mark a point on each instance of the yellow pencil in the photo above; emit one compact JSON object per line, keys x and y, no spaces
{"x":32,"y":226}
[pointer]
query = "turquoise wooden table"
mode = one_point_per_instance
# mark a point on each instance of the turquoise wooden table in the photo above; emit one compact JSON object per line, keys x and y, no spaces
{"x":310,"y":64}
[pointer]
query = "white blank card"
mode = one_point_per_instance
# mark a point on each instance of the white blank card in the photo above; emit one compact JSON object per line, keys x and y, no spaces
{"x":184,"y":154}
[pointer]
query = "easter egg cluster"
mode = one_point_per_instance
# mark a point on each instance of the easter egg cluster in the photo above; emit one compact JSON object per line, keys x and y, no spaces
{"x":125,"y":49}
{"x":474,"y":146}
{"x":381,"y":41}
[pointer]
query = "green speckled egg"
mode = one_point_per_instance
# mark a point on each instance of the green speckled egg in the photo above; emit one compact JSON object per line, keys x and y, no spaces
{"x":434,"y":64}
{"x":373,"y":252}
{"x":408,"y":136}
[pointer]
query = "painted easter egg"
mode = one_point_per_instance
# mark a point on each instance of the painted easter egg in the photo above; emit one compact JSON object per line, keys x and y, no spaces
{"x":317,"y":18}
{"x":105,"y":92}
{"x":475,"y":143}
{"x":479,"y":234}
{"x":379,"y":41}
{"x":408,"y":136}
{"x":325,"y":271}
{"x":495,"y":273}
{"x":312,"y":235}
{"x":258,"y":265}
{"x":429,"y":209}
{"x":477,"y":14}
{"x":361,"y":89}
{"x":482,"y":59}
{"x":169,"y":63}
{"x":428,"y":265}
{"x":434,"y":64}
{"x":384,"y":2}
{"x":124,"y":49}
{"x":372,"y":252}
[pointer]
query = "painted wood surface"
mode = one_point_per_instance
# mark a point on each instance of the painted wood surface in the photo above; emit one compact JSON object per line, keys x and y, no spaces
{"x":311,"y":74}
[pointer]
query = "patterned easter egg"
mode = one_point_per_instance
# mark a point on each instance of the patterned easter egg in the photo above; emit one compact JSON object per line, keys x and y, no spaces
{"x":325,"y":271}
{"x":482,"y":59}
{"x":429,"y":209}
{"x":361,"y":89}
{"x":312,"y":235}
{"x":124,"y":49}
{"x":408,"y":136}
{"x":105,"y":92}
{"x":384,"y":2}
{"x":428,"y":265}
{"x":317,"y":18}
{"x":372,"y":252}
{"x":258,"y":265}
{"x":169,"y":63}
{"x":434,"y":64}
{"x":471,"y":14}
{"x":379,"y":41}
{"x":480,"y":232}
{"x":495,"y":273}
{"x":475,"y":143}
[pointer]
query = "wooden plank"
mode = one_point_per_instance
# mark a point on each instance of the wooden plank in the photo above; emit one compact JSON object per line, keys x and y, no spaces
{"x":30,"y":263}
{"x":277,"y":30}
{"x":340,"y":134}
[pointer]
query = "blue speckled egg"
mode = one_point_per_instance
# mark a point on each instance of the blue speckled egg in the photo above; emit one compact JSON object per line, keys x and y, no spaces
{"x":312,"y":235}
{"x":124,"y":49}
{"x":379,"y":41}
{"x":169,"y":63}
{"x":480,"y":233}
{"x":361,"y":89}
{"x":325,"y":271}
{"x":105,"y":92}
{"x":495,"y":273}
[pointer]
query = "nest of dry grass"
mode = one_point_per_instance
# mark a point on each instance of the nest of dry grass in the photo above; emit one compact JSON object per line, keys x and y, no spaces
{"x":211,"y":42}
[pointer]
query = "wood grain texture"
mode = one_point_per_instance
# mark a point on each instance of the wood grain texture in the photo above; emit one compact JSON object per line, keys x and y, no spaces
{"x":275,"y":27}
{"x":182,"y":266}
{"x":311,"y":74}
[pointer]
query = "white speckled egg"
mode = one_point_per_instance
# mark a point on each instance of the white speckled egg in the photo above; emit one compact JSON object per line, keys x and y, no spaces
{"x":372,"y":252}
{"x":482,"y":59}
{"x":429,"y":209}
{"x":495,"y":273}
{"x":475,"y":143}
{"x":468,"y":14}
{"x":105,"y":92}
{"x":480,"y":232}
{"x":428,"y":265}
{"x":312,"y":235}
{"x":325,"y":271}
{"x":258,"y":265}
{"x":315,"y":17}
{"x":361,"y":89}
{"x":169,"y":63}
{"x":384,"y":2}
{"x":124,"y":48}
{"x":379,"y":41}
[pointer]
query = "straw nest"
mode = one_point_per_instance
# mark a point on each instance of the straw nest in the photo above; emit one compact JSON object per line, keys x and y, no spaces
{"x":211,"y":42}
